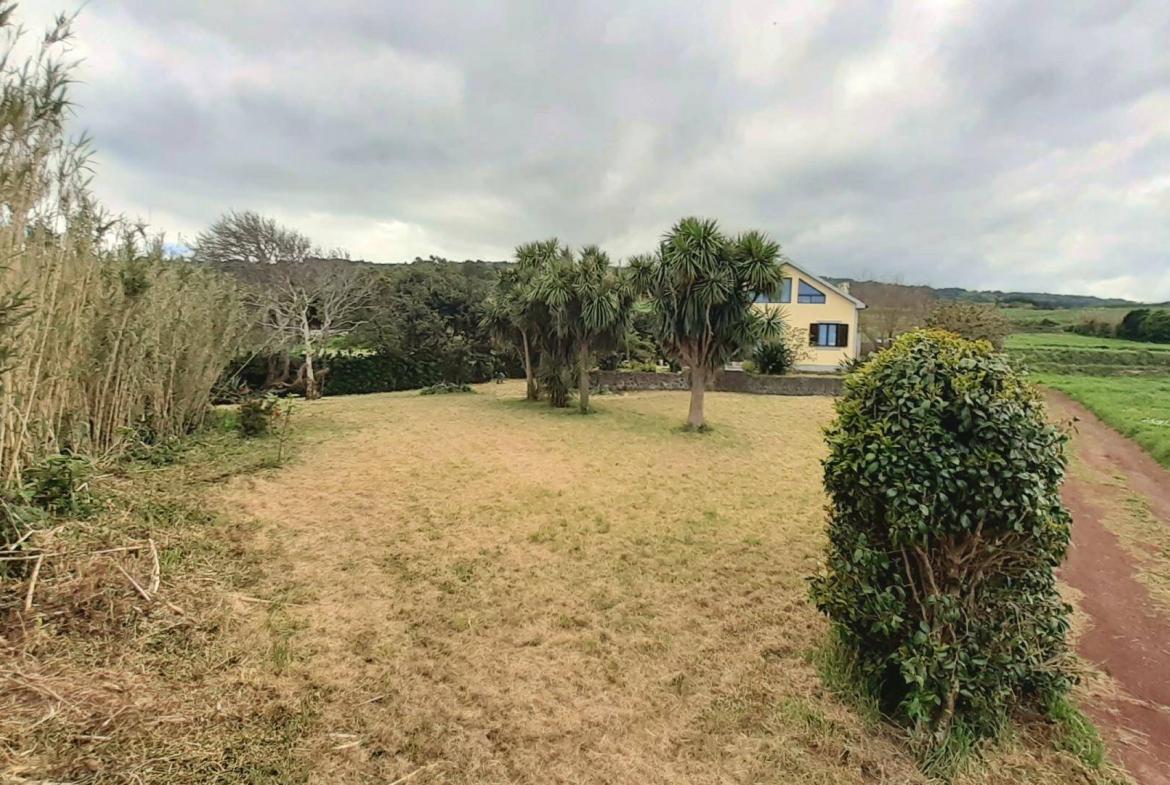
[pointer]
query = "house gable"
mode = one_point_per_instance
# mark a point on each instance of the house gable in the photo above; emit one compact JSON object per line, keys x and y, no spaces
{"x":827,"y":314}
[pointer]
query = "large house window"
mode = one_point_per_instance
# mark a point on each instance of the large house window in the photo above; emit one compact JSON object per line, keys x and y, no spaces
{"x":828,"y":334}
{"x":782,"y":295}
{"x":809,"y":294}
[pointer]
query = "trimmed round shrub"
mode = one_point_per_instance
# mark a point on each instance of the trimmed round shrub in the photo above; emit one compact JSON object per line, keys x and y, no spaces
{"x":946,"y":526}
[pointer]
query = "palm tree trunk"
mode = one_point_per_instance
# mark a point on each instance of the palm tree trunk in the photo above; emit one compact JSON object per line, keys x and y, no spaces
{"x":533,"y":392}
{"x":698,"y":388}
{"x":558,"y":393}
{"x":583,"y":377}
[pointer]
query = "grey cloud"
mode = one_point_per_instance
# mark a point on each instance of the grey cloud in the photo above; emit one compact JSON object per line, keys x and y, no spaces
{"x":998,"y":144}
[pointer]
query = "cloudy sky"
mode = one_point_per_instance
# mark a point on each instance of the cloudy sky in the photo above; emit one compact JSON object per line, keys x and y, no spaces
{"x":1013,"y":145}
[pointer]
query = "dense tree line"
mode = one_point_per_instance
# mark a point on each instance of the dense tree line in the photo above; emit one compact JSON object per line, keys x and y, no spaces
{"x":316,"y":313}
{"x":553,"y":314}
{"x":1148,"y":325}
{"x":433,"y":310}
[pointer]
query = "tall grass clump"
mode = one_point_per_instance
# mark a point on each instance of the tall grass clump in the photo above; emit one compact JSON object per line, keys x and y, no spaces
{"x":946,"y":527}
{"x":104,"y":343}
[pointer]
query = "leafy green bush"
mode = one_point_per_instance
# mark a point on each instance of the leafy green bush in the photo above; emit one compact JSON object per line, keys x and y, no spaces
{"x":162,"y":452}
{"x":945,"y":528}
{"x":774,"y":357}
{"x":1094,"y":327}
{"x":60,"y":484}
{"x":256,"y":416}
{"x":445,"y":388}
{"x":1144,"y":324}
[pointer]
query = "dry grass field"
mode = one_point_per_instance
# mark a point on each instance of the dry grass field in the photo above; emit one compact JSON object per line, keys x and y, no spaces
{"x":470,"y":589}
{"x":480,"y":590}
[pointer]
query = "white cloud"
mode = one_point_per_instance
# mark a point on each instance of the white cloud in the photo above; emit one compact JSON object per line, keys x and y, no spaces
{"x":1012,"y":145}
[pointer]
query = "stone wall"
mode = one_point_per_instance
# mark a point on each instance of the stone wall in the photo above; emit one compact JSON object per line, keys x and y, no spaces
{"x":727,"y":381}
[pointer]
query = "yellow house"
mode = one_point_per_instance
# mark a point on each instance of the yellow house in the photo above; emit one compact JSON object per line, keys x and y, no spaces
{"x":827,"y":314}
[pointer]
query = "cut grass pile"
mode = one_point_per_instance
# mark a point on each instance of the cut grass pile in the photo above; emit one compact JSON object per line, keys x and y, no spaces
{"x":99,"y":684}
{"x":474,"y":589}
{"x":1138,"y":407}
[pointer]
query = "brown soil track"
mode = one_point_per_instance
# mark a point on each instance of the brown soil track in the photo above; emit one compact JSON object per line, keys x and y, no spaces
{"x":1129,"y":637}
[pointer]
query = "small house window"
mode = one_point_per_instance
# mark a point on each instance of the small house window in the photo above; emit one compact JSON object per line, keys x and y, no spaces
{"x":809,"y":294}
{"x":828,"y":334}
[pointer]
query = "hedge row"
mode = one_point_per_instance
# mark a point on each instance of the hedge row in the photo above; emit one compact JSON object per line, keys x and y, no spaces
{"x":1097,"y":369}
{"x":371,"y":373}
{"x":353,"y":374}
{"x":1072,"y":356}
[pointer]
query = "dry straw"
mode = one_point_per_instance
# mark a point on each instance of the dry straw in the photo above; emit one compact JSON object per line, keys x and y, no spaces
{"x":103,"y":341}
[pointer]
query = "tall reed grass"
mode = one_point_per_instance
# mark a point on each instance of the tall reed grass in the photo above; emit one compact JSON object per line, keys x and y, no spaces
{"x":103,"y":341}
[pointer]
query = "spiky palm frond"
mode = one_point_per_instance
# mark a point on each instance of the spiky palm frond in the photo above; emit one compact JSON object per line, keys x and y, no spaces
{"x":532,"y":257}
{"x":757,"y":258}
{"x":586,"y":299}
{"x":644,"y":275}
{"x":499,"y":319}
{"x":702,"y":285}
{"x":692,"y":250}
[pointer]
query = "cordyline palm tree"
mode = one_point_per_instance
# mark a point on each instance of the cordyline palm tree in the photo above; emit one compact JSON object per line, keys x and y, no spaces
{"x":588,"y":306}
{"x":512,"y":314}
{"x":701,"y":285}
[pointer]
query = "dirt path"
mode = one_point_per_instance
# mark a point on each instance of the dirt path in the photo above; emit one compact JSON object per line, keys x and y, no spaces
{"x":1129,"y":636}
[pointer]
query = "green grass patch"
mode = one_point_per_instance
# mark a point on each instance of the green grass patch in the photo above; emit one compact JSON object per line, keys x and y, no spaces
{"x":837,"y":667}
{"x":1137,"y":406}
{"x":1068,"y":354}
{"x":1026,"y":341}
{"x":1077,"y":734}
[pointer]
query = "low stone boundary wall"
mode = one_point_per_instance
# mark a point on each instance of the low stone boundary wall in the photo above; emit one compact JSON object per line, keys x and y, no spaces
{"x":727,"y":381}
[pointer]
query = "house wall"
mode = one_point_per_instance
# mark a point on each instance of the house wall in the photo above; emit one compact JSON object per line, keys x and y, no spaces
{"x":835,"y":309}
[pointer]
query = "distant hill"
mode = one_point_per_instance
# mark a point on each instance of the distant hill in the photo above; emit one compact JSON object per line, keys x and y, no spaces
{"x":1034,"y":299}
{"x":1037,"y":300}
{"x":1041,"y":300}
